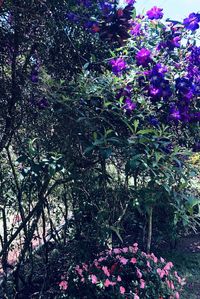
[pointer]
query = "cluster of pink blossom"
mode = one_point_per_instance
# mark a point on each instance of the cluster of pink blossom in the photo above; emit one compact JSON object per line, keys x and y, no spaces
{"x":126,"y":272}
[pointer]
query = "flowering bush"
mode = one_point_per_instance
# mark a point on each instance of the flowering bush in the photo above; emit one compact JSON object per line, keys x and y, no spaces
{"x":123,"y":273}
{"x":142,"y":111}
{"x":159,"y":63}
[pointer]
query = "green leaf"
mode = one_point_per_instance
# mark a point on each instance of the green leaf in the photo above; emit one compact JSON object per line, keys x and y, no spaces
{"x":108,"y":132}
{"x":95,"y":135}
{"x":193,"y":201}
{"x":86,"y":65}
{"x":114,"y":140}
{"x":98,"y":142}
{"x":31,"y":147}
{"x":136,"y":124}
{"x":146,"y":131}
{"x":88,"y":150}
{"x":158,"y":156}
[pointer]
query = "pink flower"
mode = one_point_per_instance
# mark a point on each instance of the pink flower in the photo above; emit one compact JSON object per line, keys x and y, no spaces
{"x":122,"y":290}
{"x":106,"y":271}
{"x":119,"y":278}
{"x":96,"y":263}
{"x":144,"y":254}
{"x":142,"y":283}
{"x":170,"y":284}
{"x":168,"y":266}
{"x":148,"y":264}
{"x":155,"y":259}
{"x":178,"y":277}
{"x":161,"y":272}
{"x":117,"y":250}
{"x":177,"y":296}
{"x":79,"y":270}
{"x":133,"y":260}
{"x":139,"y":274}
{"x":108,"y":283}
{"x":63,"y":285}
{"x":162,"y":260}
{"x":94,"y":279}
{"x":101,"y":259}
{"x":123,"y":260}
{"x":85,"y":266}
{"x":136,"y":296}
{"x":125,"y":249}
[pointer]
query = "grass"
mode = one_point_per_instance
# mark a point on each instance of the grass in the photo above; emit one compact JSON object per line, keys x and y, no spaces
{"x":187,"y":265}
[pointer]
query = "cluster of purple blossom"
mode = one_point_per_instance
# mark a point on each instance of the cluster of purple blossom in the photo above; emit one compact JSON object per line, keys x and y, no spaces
{"x":192,"y":22}
{"x":166,"y":71}
{"x":126,"y":94}
{"x":177,"y":84}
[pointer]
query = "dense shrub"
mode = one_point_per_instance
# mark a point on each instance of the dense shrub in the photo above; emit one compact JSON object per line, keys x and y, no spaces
{"x":123,"y":273}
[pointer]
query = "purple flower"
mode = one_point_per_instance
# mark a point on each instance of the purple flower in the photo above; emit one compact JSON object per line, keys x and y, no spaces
{"x":136,"y":30}
{"x":160,"y":87}
{"x":184,"y":86}
{"x":185,"y":116}
{"x":192,"y":22}
{"x":189,"y":95}
{"x":154,"y":92}
{"x":43,"y":103}
{"x":129,"y":105}
{"x":176,"y":41}
{"x":130,"y":2}
{"x":143,"y":57}
{"x":155,"y":13}
{"x":160,"y":69}
{"x":175,"y":114}
{"x":118,"y":66}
